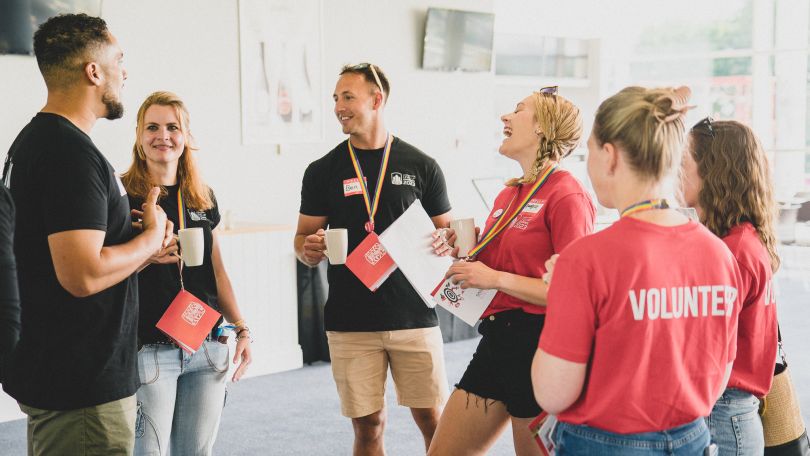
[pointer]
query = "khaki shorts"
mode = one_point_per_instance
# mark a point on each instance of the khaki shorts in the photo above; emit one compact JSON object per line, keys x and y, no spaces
{"x":105,"y":429}
{"x":360,"y":362}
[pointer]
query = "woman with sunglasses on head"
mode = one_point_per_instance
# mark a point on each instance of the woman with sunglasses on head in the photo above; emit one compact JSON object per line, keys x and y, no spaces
{"x":181,"y":396}
{"x":534,"y":217}
{"x":645,"y":309}
{"x":725,"y":176}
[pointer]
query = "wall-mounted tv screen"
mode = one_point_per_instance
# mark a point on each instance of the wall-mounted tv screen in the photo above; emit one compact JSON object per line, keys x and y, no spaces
{"x":20,"y":18}
{"x":458,"y":40}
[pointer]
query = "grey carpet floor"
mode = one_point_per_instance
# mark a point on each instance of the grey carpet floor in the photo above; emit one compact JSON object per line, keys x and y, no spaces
{"x":297,"y":412}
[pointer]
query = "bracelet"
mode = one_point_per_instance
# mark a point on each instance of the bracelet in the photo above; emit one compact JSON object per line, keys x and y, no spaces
{"x":239,"y":324}
{"x":241,"y":330}
{"x":239,"y":337}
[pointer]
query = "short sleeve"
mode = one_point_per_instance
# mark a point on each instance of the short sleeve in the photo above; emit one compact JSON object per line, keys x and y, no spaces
{"x":314,"y":199}
{"x":434,"y":194}
{"x":75,"y":191}
{"x":213,"y":214}
{"x":570,"y":218}
{"x":570,"y":324}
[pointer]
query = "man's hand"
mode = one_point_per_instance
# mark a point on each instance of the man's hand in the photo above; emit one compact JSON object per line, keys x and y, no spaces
{"x":155,"y":222}
{"x":314,"y":246}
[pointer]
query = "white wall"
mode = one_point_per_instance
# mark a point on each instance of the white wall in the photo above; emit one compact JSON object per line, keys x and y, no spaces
{"x":192,"y":48}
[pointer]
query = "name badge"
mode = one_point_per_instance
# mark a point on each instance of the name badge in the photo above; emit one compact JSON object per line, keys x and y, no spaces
{"x":352,"y":187}
{"x":533,"y":206}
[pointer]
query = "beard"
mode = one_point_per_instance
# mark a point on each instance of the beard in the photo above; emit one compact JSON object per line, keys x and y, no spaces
{"x":115,"y":109}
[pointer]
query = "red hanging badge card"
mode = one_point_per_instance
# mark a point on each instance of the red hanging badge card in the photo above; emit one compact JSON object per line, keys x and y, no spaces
{"x":370,"y":262}
{"x":187,"y":321}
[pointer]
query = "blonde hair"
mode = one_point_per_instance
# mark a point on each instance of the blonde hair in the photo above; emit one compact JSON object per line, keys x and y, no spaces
{"x":559,"y":128}
{"x":648,"y":124}
{"x":737,"y":184}
{"x":136,"y":179}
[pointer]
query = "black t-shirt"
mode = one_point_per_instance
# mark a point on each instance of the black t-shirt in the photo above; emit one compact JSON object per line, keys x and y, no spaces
{"x":9,"y":297}
{"x":158,"y":284}
{"x":411,"y":176}
{"x":73,"y":352}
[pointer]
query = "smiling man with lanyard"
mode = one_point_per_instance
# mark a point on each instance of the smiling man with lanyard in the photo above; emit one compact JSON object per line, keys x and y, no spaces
{"x":363,"y":185}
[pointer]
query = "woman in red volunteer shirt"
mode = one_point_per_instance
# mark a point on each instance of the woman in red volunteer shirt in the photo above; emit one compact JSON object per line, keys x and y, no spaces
{"x":645,"y":309}
{"x":726,"y":178}
{"x":540,"y":214}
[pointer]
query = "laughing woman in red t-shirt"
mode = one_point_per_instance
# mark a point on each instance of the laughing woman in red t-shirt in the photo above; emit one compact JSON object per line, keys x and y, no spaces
{"x":726,"y":177}
{"x":551,"y":209}
{"x":646,"y":309}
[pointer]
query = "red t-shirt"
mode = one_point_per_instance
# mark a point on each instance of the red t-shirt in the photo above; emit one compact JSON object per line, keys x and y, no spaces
{"x":653,"y":312}
{"x":559,"y":213}
{"x":756,"y":334}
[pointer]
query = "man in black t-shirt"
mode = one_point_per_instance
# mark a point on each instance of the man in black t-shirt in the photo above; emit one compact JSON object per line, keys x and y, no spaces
{"x":74,"y":371}
{"x":370,"y":331}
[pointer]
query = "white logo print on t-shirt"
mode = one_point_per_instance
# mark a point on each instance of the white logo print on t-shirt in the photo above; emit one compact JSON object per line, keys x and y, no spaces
{"x":403,"y":179}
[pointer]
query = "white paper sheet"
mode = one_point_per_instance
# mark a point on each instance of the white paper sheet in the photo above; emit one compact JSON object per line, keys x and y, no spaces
{"x":408,"y":240}
{"x":467,"y":304}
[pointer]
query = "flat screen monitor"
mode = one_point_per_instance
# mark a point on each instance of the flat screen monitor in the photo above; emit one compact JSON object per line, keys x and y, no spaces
{"x":458,"y":40}
{"x":19,"y":19}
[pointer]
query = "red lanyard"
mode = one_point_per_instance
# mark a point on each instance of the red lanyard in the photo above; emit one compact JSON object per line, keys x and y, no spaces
{"x":371,"y":204}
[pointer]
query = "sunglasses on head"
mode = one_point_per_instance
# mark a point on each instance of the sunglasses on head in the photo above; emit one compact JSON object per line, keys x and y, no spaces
{"x":550,"y":90}
{"x":363,"y":66}
{"x":705,"y":127}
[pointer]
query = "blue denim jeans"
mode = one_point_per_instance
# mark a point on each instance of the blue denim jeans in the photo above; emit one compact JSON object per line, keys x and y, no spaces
{"x":180,"y":399}
{"x":690,"y":439}
{"x":735,"y":424}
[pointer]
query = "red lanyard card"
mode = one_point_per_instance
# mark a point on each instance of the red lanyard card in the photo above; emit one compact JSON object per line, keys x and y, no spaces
{"x":188,"y":321}
{"x":370,"y":262}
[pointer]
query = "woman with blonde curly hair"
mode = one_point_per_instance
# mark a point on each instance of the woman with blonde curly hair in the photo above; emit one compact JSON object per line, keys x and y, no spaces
{"x":646,"y":309}
{"x":726,"y":178}
{"x":181,"y":394}
{"x":534,"y":217}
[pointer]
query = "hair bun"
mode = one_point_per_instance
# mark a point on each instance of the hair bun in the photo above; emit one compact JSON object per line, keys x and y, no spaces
{"x":678,"y":100}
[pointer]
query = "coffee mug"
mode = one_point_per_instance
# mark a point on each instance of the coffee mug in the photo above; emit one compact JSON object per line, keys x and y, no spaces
{"x":465,"y":235}
{"x":192,"y":246}
{"x":337,"y":243}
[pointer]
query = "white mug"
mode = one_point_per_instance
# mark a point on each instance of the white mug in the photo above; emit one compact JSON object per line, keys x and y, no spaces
{"x":192,"y":246}
{"x":465,"y":235}
{"x":337,"y":244}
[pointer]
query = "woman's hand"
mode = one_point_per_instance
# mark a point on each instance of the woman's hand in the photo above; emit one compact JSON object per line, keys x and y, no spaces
{"x":474,"y":274}
{"x":443,"y":241}
{"x":550,"y":263}
{"x":242,"y":353}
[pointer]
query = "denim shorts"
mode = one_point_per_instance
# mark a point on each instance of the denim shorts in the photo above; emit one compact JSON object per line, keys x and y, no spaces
{"x":690,"y":439}
{"x":501,"y":366}
{"x":735,"y":424}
